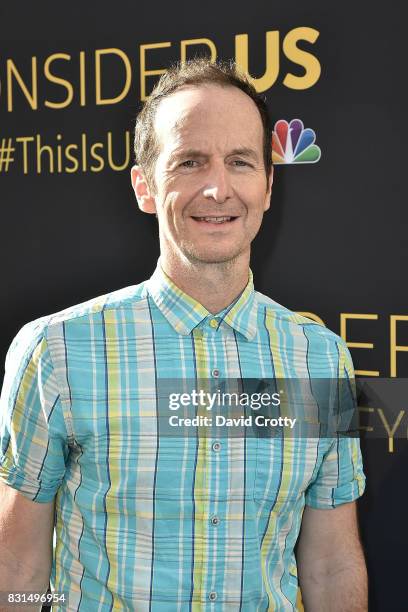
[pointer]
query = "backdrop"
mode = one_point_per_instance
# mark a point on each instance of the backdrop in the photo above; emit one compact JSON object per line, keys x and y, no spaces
{"x":333,"y":243}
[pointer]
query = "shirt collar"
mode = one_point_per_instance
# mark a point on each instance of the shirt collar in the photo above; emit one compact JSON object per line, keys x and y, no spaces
{"x":184,"y":313}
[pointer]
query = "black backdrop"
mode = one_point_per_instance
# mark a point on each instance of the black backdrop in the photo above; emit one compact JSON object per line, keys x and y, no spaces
{"x":334,"y":241}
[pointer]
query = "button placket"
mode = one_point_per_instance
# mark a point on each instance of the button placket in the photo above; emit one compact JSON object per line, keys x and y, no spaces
{"x":206,"y":337}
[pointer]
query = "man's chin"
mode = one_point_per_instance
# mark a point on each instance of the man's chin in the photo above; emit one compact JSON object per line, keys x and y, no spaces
{"x":206,"y":257}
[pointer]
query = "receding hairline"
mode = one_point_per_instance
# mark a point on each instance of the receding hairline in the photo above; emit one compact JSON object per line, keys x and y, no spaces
{"x":197,"y":86}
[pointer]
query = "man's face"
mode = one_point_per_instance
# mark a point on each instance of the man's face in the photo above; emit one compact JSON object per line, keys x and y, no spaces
{"x":210,"y":166}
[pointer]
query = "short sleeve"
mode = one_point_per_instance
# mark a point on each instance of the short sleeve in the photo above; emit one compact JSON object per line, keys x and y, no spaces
{"x":341,"y":478}
{"x":33,"y":437}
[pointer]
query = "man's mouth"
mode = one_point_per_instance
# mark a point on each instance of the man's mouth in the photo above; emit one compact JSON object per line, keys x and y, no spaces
{"x":215,"y":219}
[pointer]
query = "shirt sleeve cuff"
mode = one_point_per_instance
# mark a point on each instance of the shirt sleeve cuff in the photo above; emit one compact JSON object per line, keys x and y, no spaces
{"x":322,"y":497}
{"x":35,"y":490}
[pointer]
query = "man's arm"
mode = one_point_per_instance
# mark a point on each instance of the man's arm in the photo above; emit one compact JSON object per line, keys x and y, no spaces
{"x":26,"y":530}
{"x":331,"y":565}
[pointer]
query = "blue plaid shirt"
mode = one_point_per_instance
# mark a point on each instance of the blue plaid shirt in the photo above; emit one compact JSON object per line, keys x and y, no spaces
{"x":168,"y":524}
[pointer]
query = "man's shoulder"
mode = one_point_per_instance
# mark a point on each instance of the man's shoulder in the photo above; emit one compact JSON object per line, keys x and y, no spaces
{"x":92,"y":309}
{"x":295,"y":322}
{"x":127,"y":297}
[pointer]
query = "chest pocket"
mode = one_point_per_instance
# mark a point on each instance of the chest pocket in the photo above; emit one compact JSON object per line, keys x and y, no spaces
{"x":284,"y":469}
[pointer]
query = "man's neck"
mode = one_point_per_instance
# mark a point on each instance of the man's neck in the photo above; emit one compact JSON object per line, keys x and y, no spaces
{"x":215,"y":286}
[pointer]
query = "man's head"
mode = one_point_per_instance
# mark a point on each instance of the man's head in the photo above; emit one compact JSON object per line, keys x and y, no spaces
{"x":203,"y":149}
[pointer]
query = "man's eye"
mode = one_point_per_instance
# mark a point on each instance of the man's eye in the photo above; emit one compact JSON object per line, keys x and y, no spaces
{"x":189,"y":163}
{"x":240,"y":162}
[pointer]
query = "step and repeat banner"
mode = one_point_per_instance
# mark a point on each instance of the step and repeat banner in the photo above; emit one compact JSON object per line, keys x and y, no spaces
{"x":333,"y":245}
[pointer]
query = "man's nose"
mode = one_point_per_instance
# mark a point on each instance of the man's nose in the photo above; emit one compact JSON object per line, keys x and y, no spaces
{"x":218,"y":185}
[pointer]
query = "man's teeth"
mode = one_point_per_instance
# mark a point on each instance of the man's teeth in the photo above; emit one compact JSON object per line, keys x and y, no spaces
{"x":214,"y":219}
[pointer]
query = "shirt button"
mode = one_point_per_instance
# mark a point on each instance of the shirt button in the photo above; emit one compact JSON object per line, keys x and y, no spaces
{"x":212,"y":596}
{"x":215,"y":372}
{"x":216,"y":446}
{"x":215,"y":520}
{"x":213,"y":323}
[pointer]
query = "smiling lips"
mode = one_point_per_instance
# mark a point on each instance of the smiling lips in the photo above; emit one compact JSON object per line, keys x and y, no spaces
{"x":214,"y":219}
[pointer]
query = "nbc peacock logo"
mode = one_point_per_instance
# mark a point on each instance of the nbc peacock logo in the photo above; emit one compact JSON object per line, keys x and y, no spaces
{"x":293,"y":144}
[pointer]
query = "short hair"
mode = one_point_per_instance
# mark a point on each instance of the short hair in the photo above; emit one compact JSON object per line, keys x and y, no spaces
{"x":195,"y":72}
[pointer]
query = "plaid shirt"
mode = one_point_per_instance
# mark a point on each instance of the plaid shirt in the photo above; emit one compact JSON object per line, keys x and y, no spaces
{"x":167,"y":524}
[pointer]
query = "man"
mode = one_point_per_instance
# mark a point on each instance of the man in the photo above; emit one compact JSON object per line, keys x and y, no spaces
{"x":145,"y":522}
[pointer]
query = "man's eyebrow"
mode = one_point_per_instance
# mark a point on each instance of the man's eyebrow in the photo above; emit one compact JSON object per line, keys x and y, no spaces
{"x":245,"y":152}
{"x":185,"y":153}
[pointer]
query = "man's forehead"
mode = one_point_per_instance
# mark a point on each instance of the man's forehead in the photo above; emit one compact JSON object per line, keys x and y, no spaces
{"x":191,"y":108}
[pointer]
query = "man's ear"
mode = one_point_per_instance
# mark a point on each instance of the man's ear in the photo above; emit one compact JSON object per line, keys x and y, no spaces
{"x":144,"y":197}
{"x":269,"y":190}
